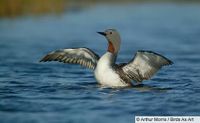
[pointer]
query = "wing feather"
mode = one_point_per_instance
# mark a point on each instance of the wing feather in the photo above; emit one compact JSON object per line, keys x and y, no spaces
{"x":83,"y":56}
{"x":144,"y":65}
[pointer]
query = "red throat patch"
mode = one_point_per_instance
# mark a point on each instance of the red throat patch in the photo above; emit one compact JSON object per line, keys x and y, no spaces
{"x":111,"y":47}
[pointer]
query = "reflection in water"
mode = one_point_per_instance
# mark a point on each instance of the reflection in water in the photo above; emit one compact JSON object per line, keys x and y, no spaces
{"x":138,"y":87}
{"x":143,"y":87}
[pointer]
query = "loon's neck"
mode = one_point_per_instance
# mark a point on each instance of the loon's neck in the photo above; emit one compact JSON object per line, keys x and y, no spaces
{"x":111,"y":47}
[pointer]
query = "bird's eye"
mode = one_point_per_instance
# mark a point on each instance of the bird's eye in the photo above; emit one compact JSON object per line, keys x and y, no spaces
{"x":110,"y":32}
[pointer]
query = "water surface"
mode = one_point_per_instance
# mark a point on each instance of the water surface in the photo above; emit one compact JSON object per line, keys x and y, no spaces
{"x":59,"y":93}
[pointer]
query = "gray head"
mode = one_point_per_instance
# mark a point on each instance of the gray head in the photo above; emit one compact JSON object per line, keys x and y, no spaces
{"x":113,"y":38}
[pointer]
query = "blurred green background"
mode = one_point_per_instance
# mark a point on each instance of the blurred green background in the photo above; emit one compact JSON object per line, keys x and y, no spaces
{"x":13,"y":8}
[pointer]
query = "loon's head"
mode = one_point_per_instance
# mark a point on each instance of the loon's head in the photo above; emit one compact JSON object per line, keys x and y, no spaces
{"x":113,"y":38}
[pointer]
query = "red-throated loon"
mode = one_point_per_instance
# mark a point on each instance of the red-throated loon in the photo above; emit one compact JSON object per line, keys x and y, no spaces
{"x":142,"y":67}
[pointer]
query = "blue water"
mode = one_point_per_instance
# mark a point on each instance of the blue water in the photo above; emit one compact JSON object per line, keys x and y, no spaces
{"x":33,"y":92}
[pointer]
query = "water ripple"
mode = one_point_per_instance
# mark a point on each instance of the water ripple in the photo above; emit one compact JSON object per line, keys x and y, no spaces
{"x":54,"y":92}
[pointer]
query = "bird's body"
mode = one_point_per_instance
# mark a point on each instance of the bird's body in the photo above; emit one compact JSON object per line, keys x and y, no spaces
{"x":105,"y":72}
{"x":144,"y":65}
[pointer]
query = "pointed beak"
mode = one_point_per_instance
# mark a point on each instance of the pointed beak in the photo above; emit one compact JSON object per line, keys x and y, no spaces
{"x":102,"y":33}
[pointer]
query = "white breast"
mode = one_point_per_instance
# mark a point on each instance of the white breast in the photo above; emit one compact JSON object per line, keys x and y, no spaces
{"x":105,"y":74}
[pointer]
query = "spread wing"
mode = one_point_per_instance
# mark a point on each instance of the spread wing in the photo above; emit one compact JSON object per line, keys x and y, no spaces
{"x":82,"y":56}
{"x":144,"y":65}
